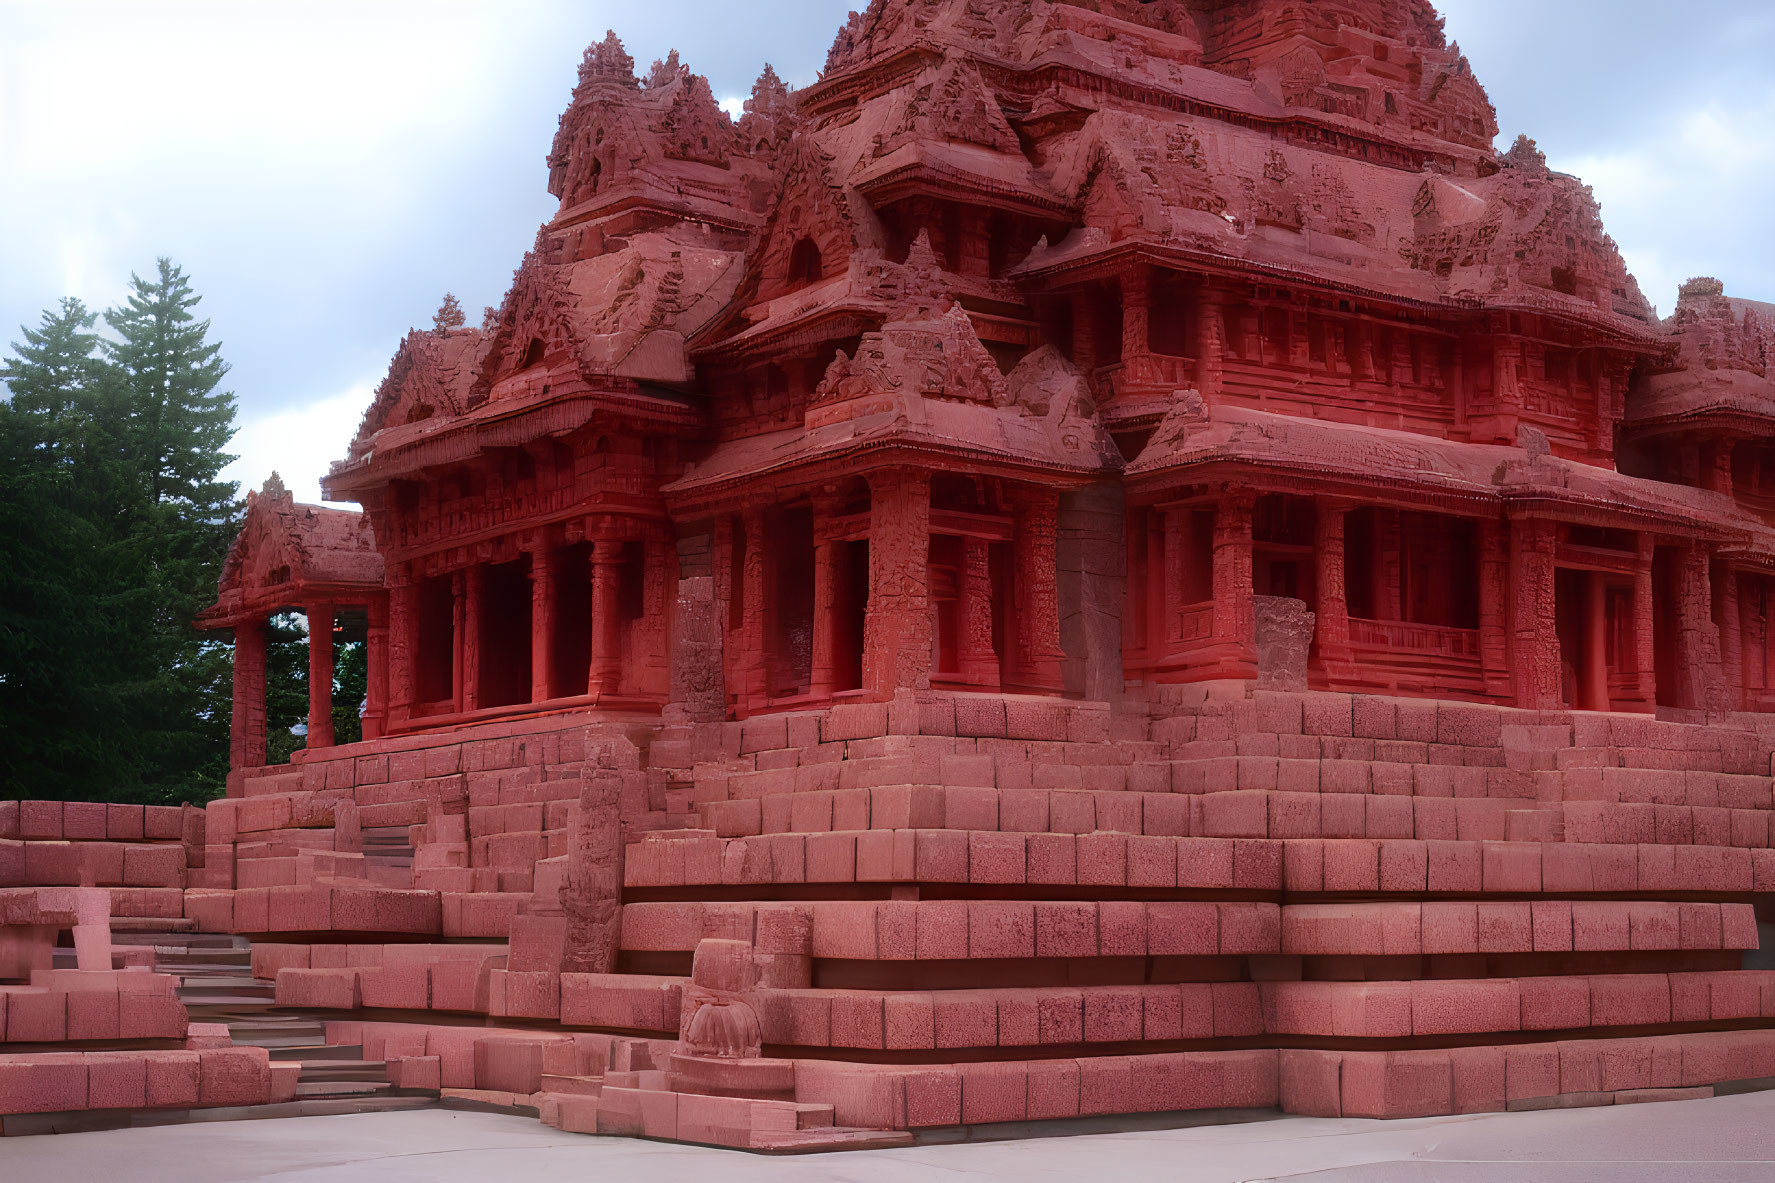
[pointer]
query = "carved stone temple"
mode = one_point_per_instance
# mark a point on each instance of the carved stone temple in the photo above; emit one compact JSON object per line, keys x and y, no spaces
{"x":1104,"y":557}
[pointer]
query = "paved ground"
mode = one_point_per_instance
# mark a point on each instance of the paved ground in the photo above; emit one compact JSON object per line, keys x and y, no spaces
{"x":1720,"y":1141}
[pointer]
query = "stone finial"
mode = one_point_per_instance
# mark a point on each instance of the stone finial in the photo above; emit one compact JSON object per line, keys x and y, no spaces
{"x":1526,"y":154}
{"x":608,"y":61}
{"x":770,"y":95}
{"x":666,"y":72}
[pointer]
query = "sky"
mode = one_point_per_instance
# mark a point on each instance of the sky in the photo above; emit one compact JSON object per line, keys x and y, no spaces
{"x":325,"y":170}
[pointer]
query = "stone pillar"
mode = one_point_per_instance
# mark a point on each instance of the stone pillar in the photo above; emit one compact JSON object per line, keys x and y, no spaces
{"x":1645,"y":628}
{"x":1495,"y":642}
{"x":246,"y":738}
{"x":650,"y":643}
{"x":1168,"y":627}
{"x":474,"y":592}
{"x":1037,"y":580}
{"x":544,"y":563}
{"x":1137,"y":298}
{"x":458,"y":641}
{"x":975,"y":659}
{"x":1235,"y":612}
{"x":754,"y":656}
{"x":1534,"y":640}
{"x":376,"y":661}
{"x":403,"y":646}
{"x":1699,"y":680}
{"x":698,"y":682}
{"x":897,"y":622}
{"x":1333,"y":612}
{"x":728,"y":586}
{"x":1594,"y":673}
{"x":606,"y":666}
{"x":1731,"y":626}
{"x":822,"y":675}
{"x":592,"y":894}
{"x":1210,"y":348}
{"x":320,"y":676}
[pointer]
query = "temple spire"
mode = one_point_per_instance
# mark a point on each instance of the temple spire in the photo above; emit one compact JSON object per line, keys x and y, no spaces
{"x":608,"y":61}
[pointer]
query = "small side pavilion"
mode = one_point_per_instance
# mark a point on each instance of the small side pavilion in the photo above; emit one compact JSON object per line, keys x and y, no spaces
{"x":311,"y":559}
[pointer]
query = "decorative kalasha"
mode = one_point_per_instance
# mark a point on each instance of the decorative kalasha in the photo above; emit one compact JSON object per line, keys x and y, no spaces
{"x":1087,"y":557}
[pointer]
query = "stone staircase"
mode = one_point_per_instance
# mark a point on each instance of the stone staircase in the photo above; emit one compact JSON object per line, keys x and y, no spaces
{"x":216,"y":985}
{"x":388,"y":855}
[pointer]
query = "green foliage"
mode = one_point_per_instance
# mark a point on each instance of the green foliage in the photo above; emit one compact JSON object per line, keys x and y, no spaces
{"x":351,"y":678}
{"x":286,"y":686}
{"x":111,"y":450}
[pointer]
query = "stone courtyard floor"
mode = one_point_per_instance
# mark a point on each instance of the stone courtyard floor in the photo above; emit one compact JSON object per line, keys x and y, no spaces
{"x":1717,"y":1141}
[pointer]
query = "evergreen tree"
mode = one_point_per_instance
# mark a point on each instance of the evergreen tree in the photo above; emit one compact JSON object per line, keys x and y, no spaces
{"x":111,"y":452}
{"x":57,"y":660}
{"x":50,"y":376}
{"x":180,"y":519}
{"x":449,"y":315}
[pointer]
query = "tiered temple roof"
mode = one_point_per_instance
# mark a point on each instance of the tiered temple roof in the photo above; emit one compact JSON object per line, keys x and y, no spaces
{"x":1195,"y":251}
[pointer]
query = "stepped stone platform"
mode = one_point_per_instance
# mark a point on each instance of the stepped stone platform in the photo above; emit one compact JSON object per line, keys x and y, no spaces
{"x":839,"y":928}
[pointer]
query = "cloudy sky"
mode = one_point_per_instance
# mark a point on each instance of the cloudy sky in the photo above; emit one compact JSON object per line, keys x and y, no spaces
{"x":326,"y":170}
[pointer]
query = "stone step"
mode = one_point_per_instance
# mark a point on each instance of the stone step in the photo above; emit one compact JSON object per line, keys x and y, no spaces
{"x":132,"y":929}
{"x":311,"y":1090}
{"x":307,"y":1054}
{"x":814,"y":1141}
{"x":274,"y":783}
{"x":202,"y":958}
{"x":219,"y":987}
{"x":343,"y":1071}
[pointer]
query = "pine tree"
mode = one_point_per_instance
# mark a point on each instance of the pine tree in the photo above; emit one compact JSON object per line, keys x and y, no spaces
{"x":179,"y":521}
{"x":449,"y":315}
{"x":56,"y":660}
{"x":49,"y":376}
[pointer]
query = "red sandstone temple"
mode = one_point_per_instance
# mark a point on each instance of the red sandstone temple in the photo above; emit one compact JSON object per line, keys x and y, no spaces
{"x":1102,"y":557}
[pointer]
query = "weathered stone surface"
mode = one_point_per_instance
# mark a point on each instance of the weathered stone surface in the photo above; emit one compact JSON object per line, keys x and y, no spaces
{"x":1284,"y":637}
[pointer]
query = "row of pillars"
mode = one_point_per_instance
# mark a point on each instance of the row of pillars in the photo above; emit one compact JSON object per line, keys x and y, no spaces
{"x":247,"y":732}
{"x":898,"y":618}
{"x":606,"y":675}
{"x":1520,"y":654}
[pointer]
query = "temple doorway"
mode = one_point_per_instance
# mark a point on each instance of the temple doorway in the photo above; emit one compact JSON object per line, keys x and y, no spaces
{"x":571,"y":642}
{"x":1593,"y":618}
{"x":505,"y":636}
{"x":849,"y":605}
{"x":434,"y":663}
{"x":790,"y":608}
